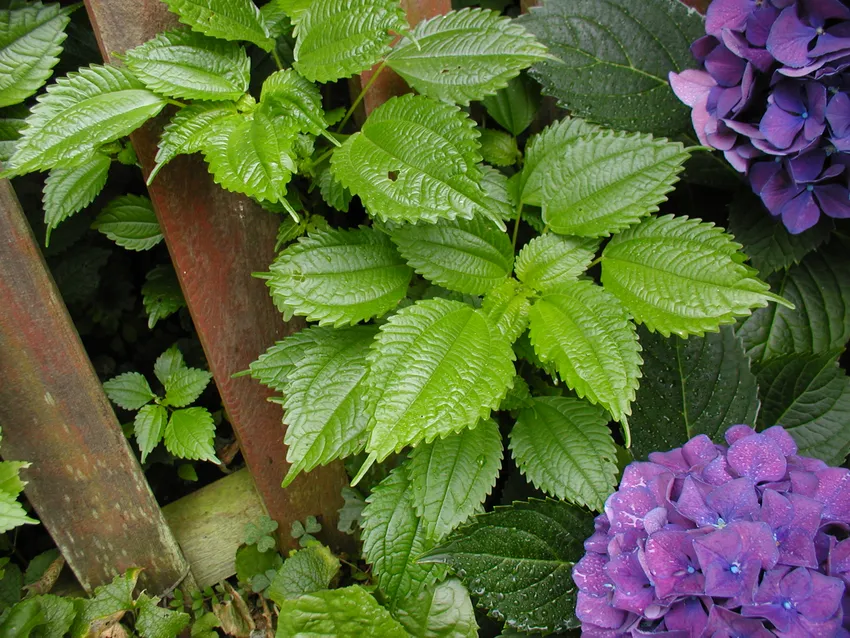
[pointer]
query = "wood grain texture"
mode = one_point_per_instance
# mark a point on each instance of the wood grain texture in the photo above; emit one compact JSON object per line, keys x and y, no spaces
{"x":84,"y":481}
{"x":216,"y":240}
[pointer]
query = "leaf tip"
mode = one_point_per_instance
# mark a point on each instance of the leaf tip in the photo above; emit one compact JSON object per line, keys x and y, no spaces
{"x":369,"y":462}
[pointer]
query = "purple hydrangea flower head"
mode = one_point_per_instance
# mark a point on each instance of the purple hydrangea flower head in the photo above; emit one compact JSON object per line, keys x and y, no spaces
{"x":708,"y":540}
{"x":774,"y":82}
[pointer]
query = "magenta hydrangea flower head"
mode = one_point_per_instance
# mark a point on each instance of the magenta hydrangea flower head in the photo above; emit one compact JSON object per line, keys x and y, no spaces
{"x":707,"y":540}
{"x":774,"y":85}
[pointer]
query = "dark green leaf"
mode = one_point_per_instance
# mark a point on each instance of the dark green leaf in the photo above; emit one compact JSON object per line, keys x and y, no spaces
{"x":515,"y":106}
{"x":130,"y":222}
{"x":161,"y":294}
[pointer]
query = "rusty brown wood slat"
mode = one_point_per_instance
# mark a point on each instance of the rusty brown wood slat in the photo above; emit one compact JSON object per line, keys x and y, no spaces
{"x":84,"y":481}
{"x":216,"y":240}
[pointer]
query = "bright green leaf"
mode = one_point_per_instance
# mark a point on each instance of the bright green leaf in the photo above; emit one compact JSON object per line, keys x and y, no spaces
{"x":70,"y":190}
{"x":153,"y":621}
{"x":333,"y":192}
{"x":184,"y":386}
{"x":168,"y":363}
{"x":507,"y":307}
{"x":293,"y":8}
{"x":307,"y":570}
{"x":10,"y":481}
{"x":441,"y":610}
{"x":225,"y":19}
{"x":12,"y":513}
{"x":149,"y":427}
{"x":274,"y":366}
{"x":190,"y":433}
{"x":161,"y":294}
{"x":130,"y":222}
{"x":498,"y":148}
{"x":22,"y":620}
{"x":109,"y":602}
{"x":297,"y":99}
{"x":515,"y":106}
{"x":550,"y":260}
{"x":58,"y":615}
{"x":129,"y":390}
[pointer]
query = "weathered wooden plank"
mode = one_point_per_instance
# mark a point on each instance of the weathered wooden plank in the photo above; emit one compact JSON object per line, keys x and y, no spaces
{"x":84,"y":481}
{"x":216,"y":240}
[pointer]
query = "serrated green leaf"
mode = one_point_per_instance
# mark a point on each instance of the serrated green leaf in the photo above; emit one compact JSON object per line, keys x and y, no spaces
{"x":298,"y":99}
{"x":153,"y":621}
{"x":326,"y":408}
{"x":190,"y":433}
{"x":394,"y":536}
{"x":349,"y":611}
{"x":130,"y":222}
{"x":109,"y":601}
{"x":470,"y":256}
{"x":518,"y":397}
{"x":307,"y":570}
{"x":149,"y":427}
{"x":809,"y":395}
{"x":225,"y":19}
{"x":333,"y":192}
{"x":766,"y":241}
{"x":274,"y":366}
{"x":422,"y":350}
{"x":338,"y":38}
{"x":442,"y":610}
{"x":253,"y":156}
{"x":79,"y":113}
{"x":58,"y":615}
{"x":31,"y":39}
{"x":70,"y":190}
{"x":464,"y":55}
{"x":129,"y":390}
{"x":544,"y":154}
{"x":168,"y":363}
{"x":451,"y":477}
{"x":550,"y":260}
{"x":564,"y":447}
{"x":682,"y":276}
{"x":615,"y":57}
{"x":515,"y":106}
{"x":610,"y":181}
{"x":339,"y":277}
{"x":819,"y":288}
{"x":161,"y":294}
{"x":498,"y":148}
{"x":184,"y":386}
{"x":185,"y":64}
{"x":12,"y":513}
{"x":585,"y":331}
{"x":699,"y":385}
{"x":507,"y":308}
{"x":415,"y":160}
{"x":10,"y":481}
{"x":12,"y":123}
{"x":518,"y":561}
{"x":188,"y":130}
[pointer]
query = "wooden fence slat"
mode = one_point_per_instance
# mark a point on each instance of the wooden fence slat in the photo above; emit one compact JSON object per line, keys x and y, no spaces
{"x":216,"y":240}
{"x":85,"y":481}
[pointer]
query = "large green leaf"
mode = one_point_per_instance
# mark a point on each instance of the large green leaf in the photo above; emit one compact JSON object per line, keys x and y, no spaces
{"x":518,"y":561}
{"x":79,"y":113}
{"x":129,"y":390}
{"x":190,"y":433}
{"x":615,"y":57}
{"x":184,"y":386}
{"x":608,"y":181}
{"x":184,"y":64}
{"x":682,"y":276}
{"x":338,"y":38}
{"x":414,"y":160}
{"x":507,"y":307}
{"x":394,"y":537}
{"x":349,"y":611}
{"x":149,"y":427}
{"x":699,"y":385}
{"x":470,"y":256}
{"x":810,"y":396}
{"x":130,"y":221}
{"x":69,"y":190}
{"x":297,"y":99}
{"x":585,"y":331}
{"x":464,"y":55}
{"x":108,"y":602}
{"x":550,"y":260}
{"x":31,"y":39}
{"x":451,"y":477}
{"x":153,"y":621}
{"x":564,"y":447}
{"x":420,"y":352}
{"x":819,"y":288}
{"x":515,"y":106}
{"x":274,"y":366}
{"x":441,"y":610}
{"x":339,"y":277}
{"x":307,"y":570}
{"x":225,"y":19}
{"x":326,"y":407}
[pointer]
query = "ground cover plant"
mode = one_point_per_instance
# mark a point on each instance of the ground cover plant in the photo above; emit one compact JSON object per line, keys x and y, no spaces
{"x":513,"y":301}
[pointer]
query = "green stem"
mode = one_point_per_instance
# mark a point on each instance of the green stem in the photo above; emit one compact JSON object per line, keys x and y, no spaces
{"x":277,"y":60}
{"x":594,"y":262}
{"x":516,"y":225}
{"x":323,"y":156}
{"x":175,"y":102}
{"x":360,"y":97}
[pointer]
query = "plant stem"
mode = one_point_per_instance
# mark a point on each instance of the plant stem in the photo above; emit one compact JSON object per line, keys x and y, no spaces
{"x":175,"y":102}
{"x":360,"y":97}
{"x":277,"y":60}
{"x":594,"y":262}
{"x":516,"y":225}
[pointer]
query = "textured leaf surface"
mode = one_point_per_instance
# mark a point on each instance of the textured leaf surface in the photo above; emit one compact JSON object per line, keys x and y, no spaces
{"x":184,"y":386}
{"x":550,"y":260}
{"x":810,"y":396}
{"x":682,"y":276}
{"x":444,"y":609}
{"x":609,"y":182}
{"x":507,"y":307}
{"x":12,"y":513}
{"x":168,"y":363}
{"x":819,"y":288}
{"x":414,"y":160}
{"x":12,"y":123}
{"x":10,"y":480}
{"x":464,"y":55}
{"x":297,"y":98}
{"x":274,"y":366}
{"x":518,"y":561}
{"x":129,"y":390}
{"x":451,"y":477}
{"x":515,"y":106}
{"x":184,"y":64}
{"x":149,"y":427}
{"x":564,"y":447}
{"x":307,"y":570}
{"x":153,"y":621}
{"x":338,"y":38}
{"x":80,"y":112}
{"x":333,"y":192}
{"x":161,"y":294}
{"x":225,"y":19}
{"x":58,"y":614}
{"x":31,"y":39}
{"x":585,"y":331}
{"x":615,"y":57}
{"x":70,"y":190}
{"x":339,"y":276}
{"x":349,"y":611}
{"x":699,"y":385}
{"x":108,"y":600}
{"x":189,"y":434}
{"x":394,"y":537}
{"x":498,"y":148}
{"x":470,"y":256}
{"x":326,"y":407}
{"x":420,"y":352}
{"x":130,"y":221}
